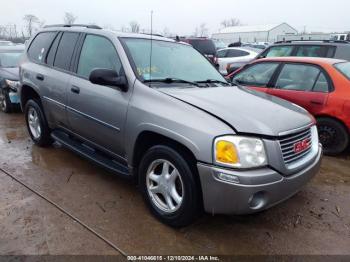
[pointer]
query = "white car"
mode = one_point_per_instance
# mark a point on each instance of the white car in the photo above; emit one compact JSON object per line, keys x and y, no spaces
{"x":235,"y":55}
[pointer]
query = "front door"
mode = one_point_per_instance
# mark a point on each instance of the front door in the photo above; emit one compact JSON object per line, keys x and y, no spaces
{"x":95,"y":112}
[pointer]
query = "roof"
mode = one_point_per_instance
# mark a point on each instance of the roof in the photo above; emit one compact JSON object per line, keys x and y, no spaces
{"x":249,"y":28}
{"x":311,"y":60}
{"x":103,"y":32}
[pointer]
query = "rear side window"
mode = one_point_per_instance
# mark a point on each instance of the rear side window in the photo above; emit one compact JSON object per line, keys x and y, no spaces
{"x":53,"y":49}
{"x":297,"y":77}
{"x":222,"y":53}
{"x":65,"y":50}
{"x":279,"y":51}
{"x":40,"y":45}
{"x":344,"y":68}
{"x":312,"y":51}
{"x":98,"y":52}
{"x":236,"y":53}
{"x":256,"y":75}
{"x":321,"y":84}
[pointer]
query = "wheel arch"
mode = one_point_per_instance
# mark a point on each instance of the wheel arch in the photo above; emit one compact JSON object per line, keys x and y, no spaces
{"x":28,"y":92}
{"x":333,"y":118}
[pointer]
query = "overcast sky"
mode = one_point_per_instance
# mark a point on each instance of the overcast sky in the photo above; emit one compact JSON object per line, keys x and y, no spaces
{"x":182,"y":16}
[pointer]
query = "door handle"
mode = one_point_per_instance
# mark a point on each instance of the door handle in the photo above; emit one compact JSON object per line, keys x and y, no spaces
{"x":40,"y":77}
{"x":316,"y":102}
{"x":75,"y":89}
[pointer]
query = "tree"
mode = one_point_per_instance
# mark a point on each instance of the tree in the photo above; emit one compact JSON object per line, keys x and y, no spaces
{"x":31,"y":21}
{"x":134,"y":27}
{"x":231,"y":22}
{"x":203,"y":30}
{"x":69,"y":18}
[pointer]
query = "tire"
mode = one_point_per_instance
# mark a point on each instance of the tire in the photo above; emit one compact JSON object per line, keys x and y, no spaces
{"x":5,"y":102}
{"x":36,"y":123}
{"x":333,"y":136}
{"x":188,"y":208}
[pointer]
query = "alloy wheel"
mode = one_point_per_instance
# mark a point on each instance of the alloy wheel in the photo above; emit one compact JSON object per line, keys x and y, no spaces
{"x":34,"y":123}
{"x":165,"y":186}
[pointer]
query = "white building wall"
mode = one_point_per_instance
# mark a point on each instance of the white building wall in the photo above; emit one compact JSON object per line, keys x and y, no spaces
{"x":252,"y":37}
{"x":282,"y":29}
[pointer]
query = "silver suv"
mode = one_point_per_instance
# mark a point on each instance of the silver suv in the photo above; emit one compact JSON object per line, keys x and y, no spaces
{"x":157,"y":111}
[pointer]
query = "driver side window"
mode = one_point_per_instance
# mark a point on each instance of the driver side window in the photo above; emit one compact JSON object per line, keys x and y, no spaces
{"x":98,"y":52}
{"x":256,"y":75}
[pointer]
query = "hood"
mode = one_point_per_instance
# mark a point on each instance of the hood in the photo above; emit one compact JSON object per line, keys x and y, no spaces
{"x":9,"y":73}
{"x":244,"y":110}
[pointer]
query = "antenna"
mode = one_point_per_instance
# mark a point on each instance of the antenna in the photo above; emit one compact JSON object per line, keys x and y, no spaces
{"x":150,"y":57}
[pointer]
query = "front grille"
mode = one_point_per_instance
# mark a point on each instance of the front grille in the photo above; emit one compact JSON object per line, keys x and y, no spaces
{"x":288,"y":142}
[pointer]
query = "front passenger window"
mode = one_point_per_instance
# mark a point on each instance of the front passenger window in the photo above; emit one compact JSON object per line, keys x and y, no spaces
{"x":256,"y":75}
{"x":98,"y":52}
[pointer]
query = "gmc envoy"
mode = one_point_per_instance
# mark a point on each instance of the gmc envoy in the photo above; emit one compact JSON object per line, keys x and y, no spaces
{"x":156,"y":110}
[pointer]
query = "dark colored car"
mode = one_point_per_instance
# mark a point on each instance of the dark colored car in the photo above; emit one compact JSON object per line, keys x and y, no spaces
{"x":326,"y":48}
{"x":9,"y":76}
{"x":205,"y":46}
{"x":320,"y":85}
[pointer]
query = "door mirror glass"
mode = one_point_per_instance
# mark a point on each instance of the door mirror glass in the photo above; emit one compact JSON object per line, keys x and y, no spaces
{"x":107,"y":77}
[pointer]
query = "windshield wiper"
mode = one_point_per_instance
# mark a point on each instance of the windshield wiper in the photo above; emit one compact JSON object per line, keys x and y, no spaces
{"x":209,"y":81}
{"x":170,"y":80}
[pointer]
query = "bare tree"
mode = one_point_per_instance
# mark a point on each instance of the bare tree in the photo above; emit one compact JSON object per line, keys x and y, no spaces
{"x":231,"y":22}
{"x":31,"y":21}
{"x":69,"y":18}
{"x":134,"y":27}
{"x":203,"y":30}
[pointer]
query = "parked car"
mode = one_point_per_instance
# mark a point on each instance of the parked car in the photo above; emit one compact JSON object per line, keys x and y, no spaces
{"x":319,"y":85}
{"x":219,"y":44}
{"x":190,"y":139}
{"x":235,"y":55}
{"x":325,"y":48}
{"x":9,"y":77}
{"x":205,"y":46}
{"x":5,"y":43}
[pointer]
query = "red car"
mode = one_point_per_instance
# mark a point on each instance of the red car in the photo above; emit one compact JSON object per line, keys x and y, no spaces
{"x":320,"y":85}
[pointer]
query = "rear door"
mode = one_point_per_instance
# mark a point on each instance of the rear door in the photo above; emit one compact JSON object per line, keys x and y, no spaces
{"x":96,"y":112}
{"x":257,"y":76}
{"x":57,"y":78}
{"x":303,"y":84}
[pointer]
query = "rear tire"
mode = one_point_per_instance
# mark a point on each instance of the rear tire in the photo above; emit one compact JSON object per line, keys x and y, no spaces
{"x":36,"y":123}
{"x":5,"y":102}
{"x":333,"y":136}
{"x":169,"y":186}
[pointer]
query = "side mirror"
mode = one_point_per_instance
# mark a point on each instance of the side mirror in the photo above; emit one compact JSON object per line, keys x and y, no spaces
{"x":107,"y":77}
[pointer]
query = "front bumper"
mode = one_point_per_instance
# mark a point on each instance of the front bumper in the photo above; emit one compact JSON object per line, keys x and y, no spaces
{"x":257,"y":189}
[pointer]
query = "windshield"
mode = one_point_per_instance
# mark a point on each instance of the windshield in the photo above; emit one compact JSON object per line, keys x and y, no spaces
{"x":169,"y":60}
{"x":344,"y":68}
{"x":10,"y":59}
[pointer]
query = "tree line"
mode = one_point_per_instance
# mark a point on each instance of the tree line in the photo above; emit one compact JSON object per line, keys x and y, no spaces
{"x":32,"y":24}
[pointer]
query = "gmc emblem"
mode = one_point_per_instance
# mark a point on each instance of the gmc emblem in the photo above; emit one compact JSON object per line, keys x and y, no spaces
{"x":301,"y":146}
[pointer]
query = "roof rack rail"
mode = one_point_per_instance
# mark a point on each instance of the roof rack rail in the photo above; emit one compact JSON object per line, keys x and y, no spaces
{"x":74,"y":25}
{"x":307,"y":40}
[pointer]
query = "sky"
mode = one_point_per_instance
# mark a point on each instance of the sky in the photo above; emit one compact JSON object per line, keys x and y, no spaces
{"x":183,"y":16}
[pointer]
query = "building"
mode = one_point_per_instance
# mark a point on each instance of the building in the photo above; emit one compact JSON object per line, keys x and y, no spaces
{"x":254,"y":34}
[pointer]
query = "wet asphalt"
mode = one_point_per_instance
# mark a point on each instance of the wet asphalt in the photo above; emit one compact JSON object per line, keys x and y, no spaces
{"x":315,"y":221}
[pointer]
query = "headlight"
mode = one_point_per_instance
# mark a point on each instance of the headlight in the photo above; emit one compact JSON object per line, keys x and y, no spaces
{"x":13,"y":84}
{"x":239,"y":152}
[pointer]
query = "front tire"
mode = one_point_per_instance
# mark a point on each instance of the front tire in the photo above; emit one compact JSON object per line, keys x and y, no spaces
{"x":333,"y":136}
{"x":169,"y":186}
{"x":36,"y":123}
{"x":5,"y":102}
